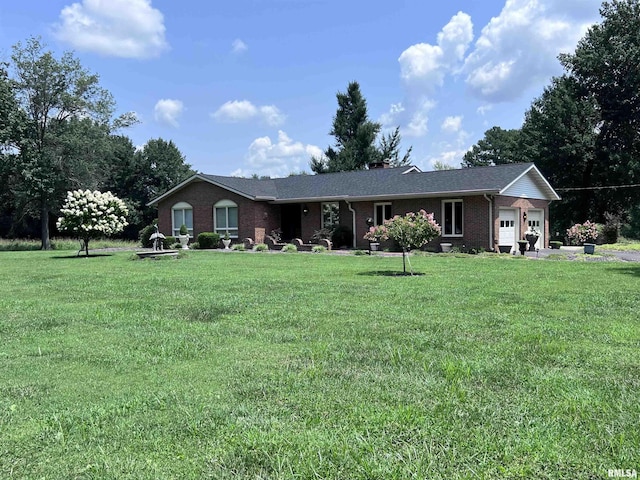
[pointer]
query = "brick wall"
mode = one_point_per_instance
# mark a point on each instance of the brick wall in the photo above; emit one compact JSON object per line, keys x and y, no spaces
{"x":521,"y":205}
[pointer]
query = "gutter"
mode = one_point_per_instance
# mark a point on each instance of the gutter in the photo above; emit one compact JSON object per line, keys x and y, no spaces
{"x":353,"y":212}
{"x":490,"y":200}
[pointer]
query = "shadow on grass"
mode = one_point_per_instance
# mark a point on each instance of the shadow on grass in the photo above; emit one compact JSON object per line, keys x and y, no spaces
{"x":626,"y":269}
{"x":91,"y":255}
{"x":388,"y":273}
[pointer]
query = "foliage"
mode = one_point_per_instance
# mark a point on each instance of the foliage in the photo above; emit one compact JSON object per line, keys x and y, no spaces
{"x":321,"y":234}
{"x":611,"y":228}
{"x":631,"y":228}
{"x":359,"y":252}
{"x":276,"y":235}
{"x":261,"y":247}
{"x":498,"y":147}
{"x":144,"y":235}
{"x":238,"y":247}
{"x":289,"y":248}
{"x":87,"y":215}
{"x":208,"y":240}
{"x":439,"y":165}
{"x":342,"y":236}
{"x":192,"y":246}
{"x":318,"y":249}
{"x":580,"y":233}
{"x":355,"y":135}
{"x":376,"y":232}
{"x":411,"y":231}
{"x":389,"y":149}
{"x":184,"y":230}
{"x":169,"y":241}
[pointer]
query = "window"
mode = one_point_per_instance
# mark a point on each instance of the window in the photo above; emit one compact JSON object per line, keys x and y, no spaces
{"x":330,"y":215}
{"x":452,"y":216}
{"x":381,"y":212}
{"x":181,"y":214}
{"x":225,"y":218}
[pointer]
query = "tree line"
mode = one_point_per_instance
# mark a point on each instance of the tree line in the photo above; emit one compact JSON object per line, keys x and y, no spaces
{"x":583,"y":132}
{"x":59,"y":132}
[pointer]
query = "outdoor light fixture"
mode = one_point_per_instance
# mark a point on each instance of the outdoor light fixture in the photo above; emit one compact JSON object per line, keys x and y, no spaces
{"x":524,"y":217}
{"x":305,"y":209}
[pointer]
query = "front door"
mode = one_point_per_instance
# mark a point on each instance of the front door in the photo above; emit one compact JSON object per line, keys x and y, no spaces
{"x":507,"y":230}
{"x":535,"y":219}
{"x":291,"y":215}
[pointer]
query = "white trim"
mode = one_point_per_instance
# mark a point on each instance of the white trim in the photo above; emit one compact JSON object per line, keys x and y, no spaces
{"x":182,"y":207}
{"x":337,"y":202}
{"x":222,"y":231}
{"x":375,"y":212}
{"x":202,"y":178}
{"x":412,"y":169}
{"x":550,"y":190}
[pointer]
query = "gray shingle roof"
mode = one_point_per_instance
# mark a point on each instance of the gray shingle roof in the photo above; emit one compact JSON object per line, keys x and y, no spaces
{"x":372,"y":184}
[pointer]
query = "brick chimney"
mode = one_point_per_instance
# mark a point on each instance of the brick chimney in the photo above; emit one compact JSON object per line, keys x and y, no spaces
{"x":383,"y":164}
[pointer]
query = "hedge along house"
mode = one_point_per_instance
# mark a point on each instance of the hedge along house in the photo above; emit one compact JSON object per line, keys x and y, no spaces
{"x":480,"y":207}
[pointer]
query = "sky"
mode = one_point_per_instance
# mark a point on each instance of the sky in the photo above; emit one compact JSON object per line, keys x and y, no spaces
{"x":248,"y":87}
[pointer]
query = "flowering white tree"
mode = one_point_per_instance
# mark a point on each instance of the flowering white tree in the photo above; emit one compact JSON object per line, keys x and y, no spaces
{"x":87,"y":215}
{"x":411,"y":231}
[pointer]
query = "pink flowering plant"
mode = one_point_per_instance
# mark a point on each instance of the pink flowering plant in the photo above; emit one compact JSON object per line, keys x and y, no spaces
{"x":87,"y":215}
{"x":411,"y":231}
{"x":580,"y":233}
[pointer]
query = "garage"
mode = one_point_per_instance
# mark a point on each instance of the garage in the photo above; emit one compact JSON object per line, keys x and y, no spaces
{"x":535,"y":219}
{"x":507,"y":230}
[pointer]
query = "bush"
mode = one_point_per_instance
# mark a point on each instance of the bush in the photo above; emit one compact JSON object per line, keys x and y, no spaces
{"x":611,"y":228}
{"x":289,"y":248}
{"x":322,"y":234}
{"x":238,"y":247}
{"x":555,"y":245}
{"x":342,"y":236}
{"x":631,"y":229}
{"x":580,"y":233}
{"x":261,"y":247}
{"x":318,"y":249}
{"x":358,"y":253}
{"x":145,"y":233}
{"x":168,"y":241}
{"x":192,"y":246}
{"x":209,"y":240}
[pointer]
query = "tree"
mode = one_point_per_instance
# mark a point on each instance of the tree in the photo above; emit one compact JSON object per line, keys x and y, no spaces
{"x":498,"y":147}
{"x":412,"y":230}
{"x":390,"y":149}
{"x":87,"y":215}
{"x":59,"y":98}
{"x":355,"y":135}
{"x":440,"y":165}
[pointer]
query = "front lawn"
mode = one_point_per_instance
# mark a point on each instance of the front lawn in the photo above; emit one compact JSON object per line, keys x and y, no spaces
{"x":239,"y":365}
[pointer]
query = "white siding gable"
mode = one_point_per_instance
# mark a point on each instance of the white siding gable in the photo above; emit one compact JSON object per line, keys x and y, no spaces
{"x":525,"y":187}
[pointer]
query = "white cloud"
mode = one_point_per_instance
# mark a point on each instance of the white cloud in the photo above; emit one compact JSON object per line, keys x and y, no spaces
{"x":243,"y":110}
{"x":418,"y":122}
{"x":426,"y":65}
{"x":518,"y":49}
{"x":452,"y":124}
{"x":238,"y":46}
{"x":277,"y":159}
{"x":449,"y":157}
{"x":120,"y":28}
{"x":167,"y":111}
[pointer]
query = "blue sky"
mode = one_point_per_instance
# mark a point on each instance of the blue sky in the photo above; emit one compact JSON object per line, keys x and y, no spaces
{"x":248,"y":86}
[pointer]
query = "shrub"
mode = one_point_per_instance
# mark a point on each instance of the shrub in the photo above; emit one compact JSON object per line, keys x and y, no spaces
{"x":358,"y":253}
{"x":631,"y":229}
{"x":184,"y":230}
{"x":192,"y":246}
{"x":168,"y":241}
{"x":555,"y":245}
{"x":87,"y":215}
{"x":580,"y":233}
{"x":238,"y":247}
{"x":208,"y":240}
{"x":342,"y":236}
{"x":261,"y":247}
{"x":318,"y":249}
{"x":322,"y":234}
{"x":289,"y":248}
{"x":611,"y":228}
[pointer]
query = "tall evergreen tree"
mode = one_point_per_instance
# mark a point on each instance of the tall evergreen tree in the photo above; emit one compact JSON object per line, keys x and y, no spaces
{"x":355,"y":135}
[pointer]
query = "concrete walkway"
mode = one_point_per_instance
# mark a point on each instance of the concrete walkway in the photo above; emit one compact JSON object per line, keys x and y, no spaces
{"x":600,"y":254}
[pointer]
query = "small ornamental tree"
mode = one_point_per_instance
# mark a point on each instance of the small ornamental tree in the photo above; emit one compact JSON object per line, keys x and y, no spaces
{"x":411,"y":231}
{"x":87,"y":215}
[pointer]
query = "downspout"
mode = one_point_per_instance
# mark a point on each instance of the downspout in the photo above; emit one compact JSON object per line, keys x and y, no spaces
{"x":353,"y":212}
{"x":490,"y":200}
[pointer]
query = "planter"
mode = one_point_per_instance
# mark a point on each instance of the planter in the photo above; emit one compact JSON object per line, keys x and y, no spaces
{"x":504,"y":248}
{"x":555,"y":245}
{"x":184,"y":240}
{"x":532,"y":239}
{"x":374,"y":246}
{"x":446,"y":247}
{"x":589,"y":248}
{"x":522,"y":246}
{"x":226,"y":242}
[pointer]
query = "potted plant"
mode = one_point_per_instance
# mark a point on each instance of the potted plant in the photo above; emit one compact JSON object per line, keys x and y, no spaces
{"x":226,"y":241}
{"x":374,"y":235}
{"x":555,"y":244}
{"x":522,"y":246}
{"x":184,"y":236}
{"x":585,"y":234}
{"x":532,"y":234}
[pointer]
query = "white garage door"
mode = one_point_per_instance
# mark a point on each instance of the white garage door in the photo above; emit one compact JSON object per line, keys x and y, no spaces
{"x":507,"y":231}
{"x":535,"y":219}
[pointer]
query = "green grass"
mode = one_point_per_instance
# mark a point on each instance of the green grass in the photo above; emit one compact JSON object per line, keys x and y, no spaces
{"x":15,"y":245}
{"x":317,"y":366}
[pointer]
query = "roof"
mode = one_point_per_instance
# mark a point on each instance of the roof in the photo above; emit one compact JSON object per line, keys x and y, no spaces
{"x":388,"y":183}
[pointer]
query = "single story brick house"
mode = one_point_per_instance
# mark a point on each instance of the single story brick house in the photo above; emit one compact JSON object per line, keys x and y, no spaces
{"x":480,"y":207}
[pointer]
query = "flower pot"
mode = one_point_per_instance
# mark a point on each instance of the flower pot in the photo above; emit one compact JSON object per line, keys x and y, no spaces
{"x":589,"y":248}
{"x":555,"y":245}
{"x":226,"y":242}
{"x":184,"y":240}
{"x":522,"y":246}
{"x":504,"y":248}
{"x":446,"y":247}
{"x":532,"y":239}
